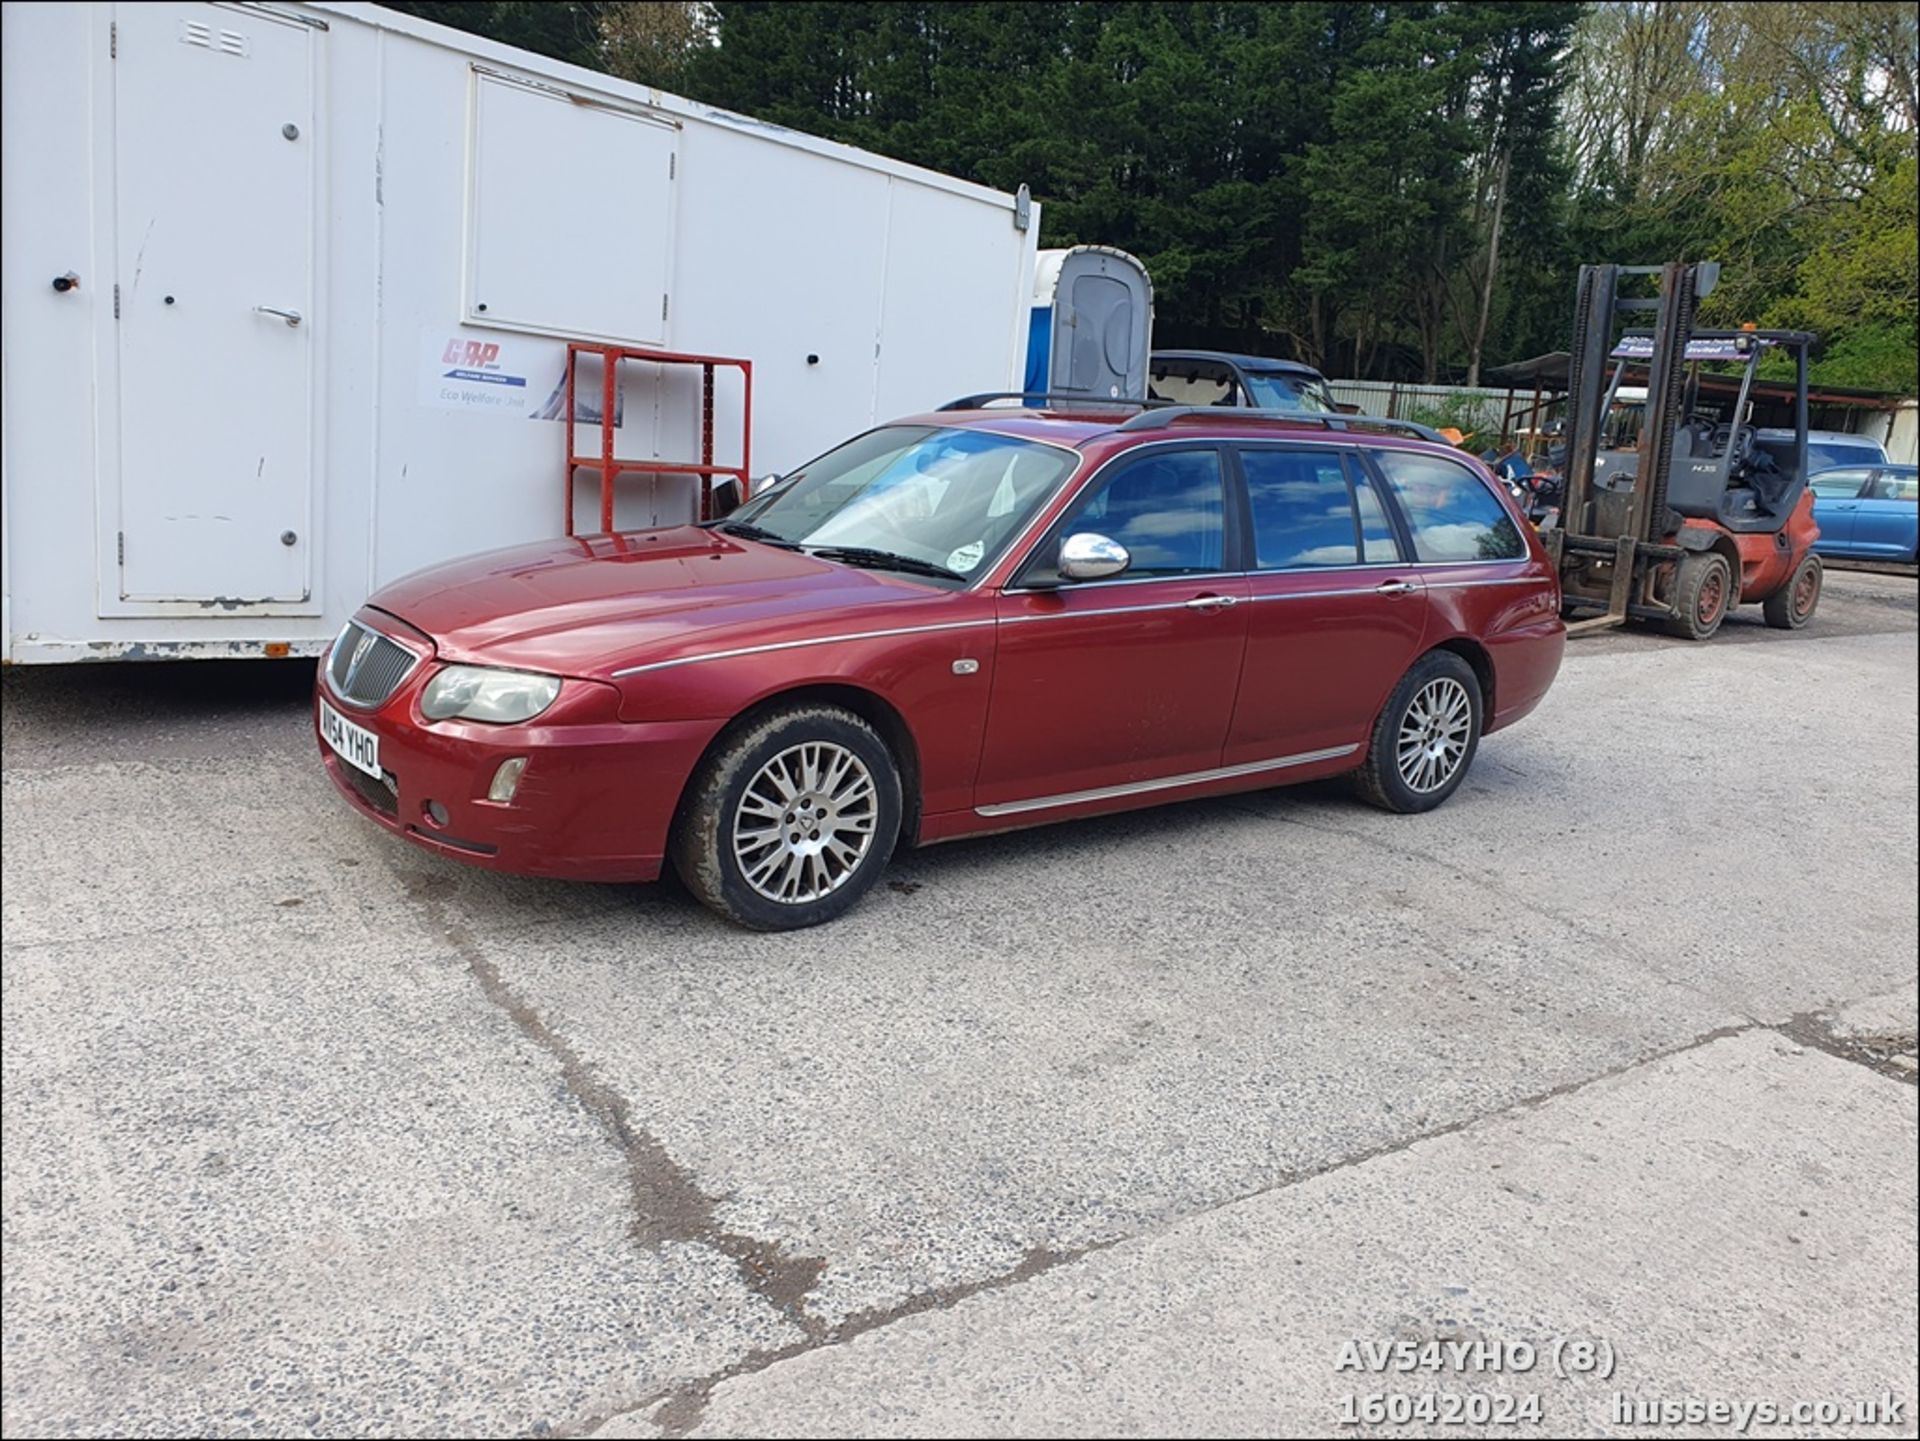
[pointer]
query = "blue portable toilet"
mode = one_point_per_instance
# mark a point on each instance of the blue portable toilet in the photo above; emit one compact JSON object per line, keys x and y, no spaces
{"x":1092,"y":324}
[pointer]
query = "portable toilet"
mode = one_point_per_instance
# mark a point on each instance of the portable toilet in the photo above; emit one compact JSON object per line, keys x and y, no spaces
{"x":1092,"y":324}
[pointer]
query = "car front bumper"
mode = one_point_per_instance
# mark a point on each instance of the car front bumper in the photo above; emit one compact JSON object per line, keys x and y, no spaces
{"x":595,"y":801}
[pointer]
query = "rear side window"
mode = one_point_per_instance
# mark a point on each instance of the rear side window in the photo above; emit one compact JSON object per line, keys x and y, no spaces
{"x":1896,"y":487}
{"x":1307,"y":512}
{"x":1452,"y":514}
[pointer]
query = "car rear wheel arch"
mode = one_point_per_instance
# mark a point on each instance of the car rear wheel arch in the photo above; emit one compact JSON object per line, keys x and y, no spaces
{"x":1475,"y":655}
{"x":872,"y":708}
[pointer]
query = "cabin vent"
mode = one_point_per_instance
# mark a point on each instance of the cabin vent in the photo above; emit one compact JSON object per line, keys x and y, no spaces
{"x":227,"y":42}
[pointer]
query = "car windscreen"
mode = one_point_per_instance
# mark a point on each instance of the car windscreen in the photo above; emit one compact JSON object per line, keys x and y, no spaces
{"x":1284,"y":390}
{"x":950,"y":498}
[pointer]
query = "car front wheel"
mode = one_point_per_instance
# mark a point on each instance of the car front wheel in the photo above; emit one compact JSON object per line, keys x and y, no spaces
{"x":791,"y":820}
{"x":1425,"y":737}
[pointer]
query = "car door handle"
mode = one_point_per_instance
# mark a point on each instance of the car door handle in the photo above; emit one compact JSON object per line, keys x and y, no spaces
{"x":292,"y":317}
{"x":1212,"y":602}
{"x":1395,"y":587}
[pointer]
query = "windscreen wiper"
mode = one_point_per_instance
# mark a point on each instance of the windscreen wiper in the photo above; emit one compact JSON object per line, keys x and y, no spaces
{"x":747,"y":530}
{"x":883,"y":560}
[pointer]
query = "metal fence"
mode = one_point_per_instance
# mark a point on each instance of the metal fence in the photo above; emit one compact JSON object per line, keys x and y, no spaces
{"x":1489,"y":418}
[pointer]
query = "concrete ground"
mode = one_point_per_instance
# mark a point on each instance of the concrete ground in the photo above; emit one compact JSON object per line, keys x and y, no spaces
{"x":1134,"y":1126}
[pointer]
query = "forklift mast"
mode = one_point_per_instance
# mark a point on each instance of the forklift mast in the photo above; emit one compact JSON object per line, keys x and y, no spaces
{"x":1682,"y":287}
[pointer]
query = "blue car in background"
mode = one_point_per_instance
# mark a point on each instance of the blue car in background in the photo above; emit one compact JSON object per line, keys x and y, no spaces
{"x":1869,"y":512}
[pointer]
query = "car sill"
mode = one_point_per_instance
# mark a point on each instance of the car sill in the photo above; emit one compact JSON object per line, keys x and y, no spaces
{"x":1164,"y":783}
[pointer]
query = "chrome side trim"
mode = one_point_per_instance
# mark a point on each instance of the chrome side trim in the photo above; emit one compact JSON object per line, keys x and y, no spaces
{"x":799,"y":644}
{"x":1418,"y":569}
{"x":1323,"y":594}
{"x":1491,"y":580}
{"x":1195,"y":576}
{"x":1164,"y":783}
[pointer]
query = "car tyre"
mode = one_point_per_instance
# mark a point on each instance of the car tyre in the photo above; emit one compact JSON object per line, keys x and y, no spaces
{"x":791,"y":819}
{"x":1793,"y":605}
{"x":1425,"y":738}
{"x":1703,"y":594}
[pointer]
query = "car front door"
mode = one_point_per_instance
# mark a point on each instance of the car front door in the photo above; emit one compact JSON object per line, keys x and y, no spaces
{"x":1836,"y":508}
{"x":1123,"y":682}
{"x":1335,"y":616}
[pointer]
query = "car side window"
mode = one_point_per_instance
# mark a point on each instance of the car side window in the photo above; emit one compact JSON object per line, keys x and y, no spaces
{"x":1889,"y":486}
{"x":1449,"y":509}
{"x":1308,"y":510}
{"x":1166,"y":508}
{"x":1839,"y":484}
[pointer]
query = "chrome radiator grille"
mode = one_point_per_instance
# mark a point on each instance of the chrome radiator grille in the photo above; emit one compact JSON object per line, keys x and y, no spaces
{"x":365,"y":667}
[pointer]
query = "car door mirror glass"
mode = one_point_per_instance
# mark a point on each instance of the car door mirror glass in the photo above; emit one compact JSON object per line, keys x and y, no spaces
{"x":1087,"y":556}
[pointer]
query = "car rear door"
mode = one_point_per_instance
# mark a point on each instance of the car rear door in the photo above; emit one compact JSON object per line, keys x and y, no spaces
{"x":1108,"y":684}
{"x":1887,"y":517}
{"x":1335,"y":615}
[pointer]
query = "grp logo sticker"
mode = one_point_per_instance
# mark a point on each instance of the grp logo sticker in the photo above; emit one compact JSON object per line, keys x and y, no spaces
{"x":460,"y":372}
{"x":507,"y":375}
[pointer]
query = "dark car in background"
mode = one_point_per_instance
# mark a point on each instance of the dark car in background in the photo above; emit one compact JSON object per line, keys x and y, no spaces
{"x":1219,"y":377}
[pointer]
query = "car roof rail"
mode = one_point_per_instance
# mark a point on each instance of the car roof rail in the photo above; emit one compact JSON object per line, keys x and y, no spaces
{"x":980,"y":401}
{"x":1160,"y":418}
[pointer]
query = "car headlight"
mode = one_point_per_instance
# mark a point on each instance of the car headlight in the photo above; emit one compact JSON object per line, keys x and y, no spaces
{"x":499,"y":697}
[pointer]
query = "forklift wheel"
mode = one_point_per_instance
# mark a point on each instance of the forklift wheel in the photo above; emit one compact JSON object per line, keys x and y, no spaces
{"x":1793,"y":605}
{"x":1702,"y":592}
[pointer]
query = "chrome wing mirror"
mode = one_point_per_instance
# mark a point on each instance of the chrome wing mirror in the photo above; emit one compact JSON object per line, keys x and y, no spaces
{"x":1086,"y":556}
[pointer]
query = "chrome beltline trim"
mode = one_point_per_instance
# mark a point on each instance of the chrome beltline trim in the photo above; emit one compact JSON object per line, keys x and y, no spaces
{"x":1105,"y":610}
{"x":798,"y":644}
{"x":1323,"y":594}
{"x":1135,"y":788}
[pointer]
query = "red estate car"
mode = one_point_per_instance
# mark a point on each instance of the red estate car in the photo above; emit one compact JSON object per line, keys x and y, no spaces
{"x":964,"y":622}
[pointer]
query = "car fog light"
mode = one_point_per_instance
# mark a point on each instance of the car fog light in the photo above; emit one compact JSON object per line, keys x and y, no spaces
{"x":506,"y":780}
{"x":436,"y":813}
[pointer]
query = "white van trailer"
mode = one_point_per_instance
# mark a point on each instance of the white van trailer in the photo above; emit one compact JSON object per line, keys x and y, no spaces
{"x":288,"y":291}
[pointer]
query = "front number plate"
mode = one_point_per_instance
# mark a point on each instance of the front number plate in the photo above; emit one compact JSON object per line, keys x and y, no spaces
{"x":356,"y":745}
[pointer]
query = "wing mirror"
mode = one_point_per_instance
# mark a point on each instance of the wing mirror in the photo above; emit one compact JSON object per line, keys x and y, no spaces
{"x":1086,"y":556}
{"x":724,"y":499}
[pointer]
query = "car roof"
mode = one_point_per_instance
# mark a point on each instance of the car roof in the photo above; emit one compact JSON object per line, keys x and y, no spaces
{"x":1781,"y":432}
{"x":1245,"y":362}
{"x":1077,"y":428}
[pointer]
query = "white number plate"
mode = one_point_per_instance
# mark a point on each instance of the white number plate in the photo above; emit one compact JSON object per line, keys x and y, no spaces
{"x":354,"y":744}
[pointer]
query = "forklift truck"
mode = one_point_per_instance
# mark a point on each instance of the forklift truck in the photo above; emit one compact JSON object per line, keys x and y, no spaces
{"x":1696,"y":516}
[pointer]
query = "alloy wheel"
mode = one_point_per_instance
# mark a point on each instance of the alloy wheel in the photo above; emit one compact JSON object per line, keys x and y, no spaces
{"x":805,"y":822}
{"x":1434,"y":734}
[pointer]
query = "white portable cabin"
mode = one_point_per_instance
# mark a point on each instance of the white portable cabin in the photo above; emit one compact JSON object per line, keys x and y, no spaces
{"x":288,"y":292}
{"x":1091,"y":328}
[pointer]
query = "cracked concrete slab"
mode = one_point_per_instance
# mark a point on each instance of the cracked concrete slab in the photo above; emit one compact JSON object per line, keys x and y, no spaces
{"x":473,"y":1154}
{"x":1736,"y":1220}
{"x":301,"y":1177}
